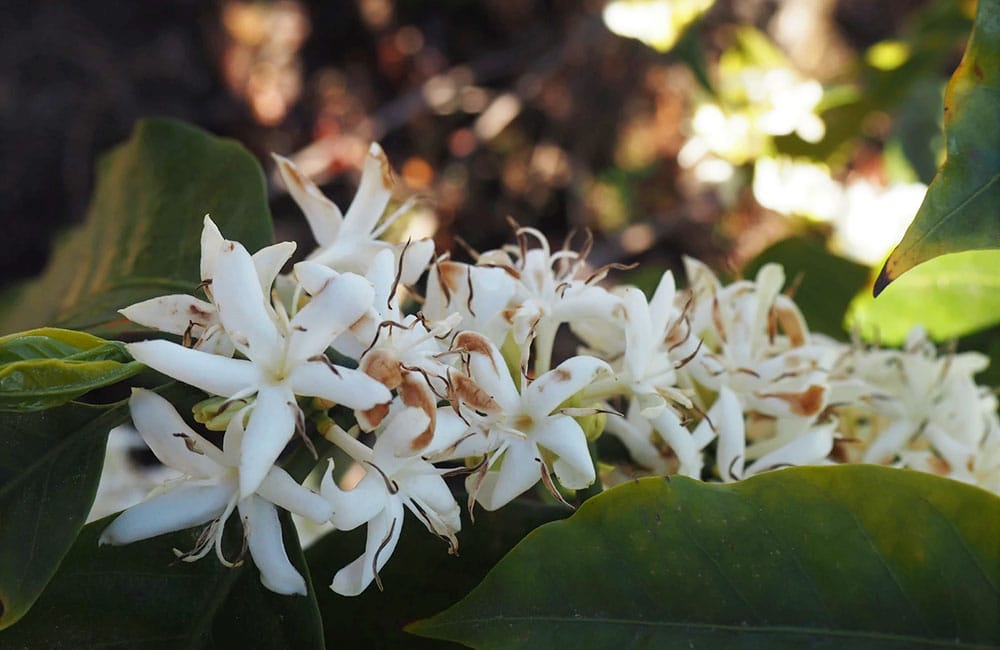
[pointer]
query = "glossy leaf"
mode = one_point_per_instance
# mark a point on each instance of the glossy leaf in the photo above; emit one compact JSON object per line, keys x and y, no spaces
{"x":949,"y":296}
{"x":962,"y":208}
{"x":852,"y":556}
{"x":140,"y":596}
{"x":824,"y":283}
{"x":142,"y":234}
{"x":48,"y":367}
{"x":420,"y":579}
{"x":50,"y":465}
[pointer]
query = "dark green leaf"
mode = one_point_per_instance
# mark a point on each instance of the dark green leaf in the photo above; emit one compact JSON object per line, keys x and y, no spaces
{"x":139,"y":596}
{"x":962,"y":208}
{"x":48,"y":367}
{"x":142,"y":233}
{"x":420,"y":579}
{"x":949,"y":296}
{"x":50,"y":465}
{"x":852,"y":556}
{"x":827,"y":285}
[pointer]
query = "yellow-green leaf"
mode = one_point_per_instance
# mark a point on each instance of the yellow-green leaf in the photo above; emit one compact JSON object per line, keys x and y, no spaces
{"x":962,"y":208}
{"x":950,"y":296}
{"x":47,"y":367}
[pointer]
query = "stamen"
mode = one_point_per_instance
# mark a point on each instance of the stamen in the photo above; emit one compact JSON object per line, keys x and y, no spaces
{"x":329,"y":364}
{"x":550,"y":486}
{"x":390,"y":485}
{"x":381,"y":547}
{"x":399,"y":274}
{"x":689,"y":358}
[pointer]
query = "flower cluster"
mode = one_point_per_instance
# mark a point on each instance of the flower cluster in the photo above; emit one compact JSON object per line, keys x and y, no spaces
{"x":714,"y":382}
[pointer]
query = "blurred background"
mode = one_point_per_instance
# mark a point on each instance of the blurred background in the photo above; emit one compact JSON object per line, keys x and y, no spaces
{"x":666,"y":127}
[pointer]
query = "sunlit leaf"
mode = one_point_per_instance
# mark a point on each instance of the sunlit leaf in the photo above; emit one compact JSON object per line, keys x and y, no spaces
{"x":962,"y":208}
{"x":140,"y":596}
{"x":844,"y":557}
{"x":420,"y":579}
{"x":823,"y":283}
{"x":47,"y":367}
{"x":141,"y":237}
{"x":949,"y":296}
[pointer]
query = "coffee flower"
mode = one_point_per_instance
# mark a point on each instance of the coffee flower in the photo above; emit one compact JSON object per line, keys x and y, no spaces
{"x":349,"y":242}
{"x":209,"y":492}
{"x":396,"y":478}
{"x":284,"y":358}
{"x":526,"y":429}
{"x":197,"y":319}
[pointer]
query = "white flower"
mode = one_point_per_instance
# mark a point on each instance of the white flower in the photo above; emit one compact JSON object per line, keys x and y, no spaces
{"x":928,"y":411}
{"x":349,"y":242}
{"x":523,"y":429}
{"x":209,"y":493}
{"x":395,"y":479}
{"x":759,"y":358}
{"x":283,"y":358}
{"x":188,"y":316}
{"x":478,"y":294}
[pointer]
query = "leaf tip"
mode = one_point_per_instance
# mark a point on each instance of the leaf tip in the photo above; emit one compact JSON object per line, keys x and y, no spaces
{"x":882,"y":281}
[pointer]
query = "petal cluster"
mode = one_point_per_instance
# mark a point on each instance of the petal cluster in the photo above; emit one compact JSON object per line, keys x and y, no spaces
{"x":713,"y":381}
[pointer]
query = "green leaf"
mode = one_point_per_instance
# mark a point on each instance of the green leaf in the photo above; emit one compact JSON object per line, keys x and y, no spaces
{"x":140,"y":596}
{"x":50,"y":465}
{"x":48,"y":367}
{"x":827,"y":282}
{"x":950,"y":296}
{"x":962,"y":208}
{"x":852,"y":556}
{"x":142,"y":235}
{"x":420,"y":579}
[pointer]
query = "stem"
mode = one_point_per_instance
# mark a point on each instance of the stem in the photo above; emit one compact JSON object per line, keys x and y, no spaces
{"x":351,"y":445}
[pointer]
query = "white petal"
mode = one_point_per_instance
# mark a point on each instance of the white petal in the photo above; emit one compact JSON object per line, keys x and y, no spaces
{"x":174,"y":314}
{"x":810,"y":448}
{"x":661,"y":305}
{"x":352,"y":388}
{"x":323,"y":215}
{"x":553,"y":388}
{"x":521,"y":469}
{"x":351,"y":508}
{"x":488,"y":369}
{"x":727,"y":416}
{"x":448,"y":430}
{"x":171,"y":439}
{"x":272,"y":423}
{"x":562,"y":435}
{"x":669,"y":426}
{"x":268,"y":262}
{"x":382,"y":275}
{"x":243,"y":308}
{"x":211,"y":242}
{"x":342,"y":301}
{"x":263,"y":529}
{"x":212,"y":373}
{"x":313,"y":276}
{"x":418,"y":256}
{"x":182,"y":507}
{"x":374,"y":192}
{"x":398,"y":437}
{"x":383,"y":534}
{"x":637,"y":442}
{"x":282,"y":490}
{"x":639,"y":342}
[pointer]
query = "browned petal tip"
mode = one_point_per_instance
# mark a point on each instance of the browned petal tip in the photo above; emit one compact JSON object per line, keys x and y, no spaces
{"x":882,"y":281}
